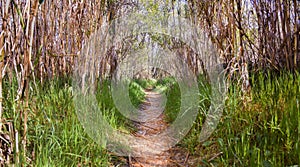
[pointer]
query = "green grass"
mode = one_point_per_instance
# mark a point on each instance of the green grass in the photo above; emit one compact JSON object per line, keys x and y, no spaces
{"x":136,"y":93}
{"x":55,"y":136}
{"x":259,"y":129}
{"x":146,"y":83}
{"x":171,"y":88}
{"x":262,"y":131}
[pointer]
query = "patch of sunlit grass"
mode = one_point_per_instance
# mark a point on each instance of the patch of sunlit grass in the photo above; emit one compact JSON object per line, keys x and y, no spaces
{"x":263,"y":131}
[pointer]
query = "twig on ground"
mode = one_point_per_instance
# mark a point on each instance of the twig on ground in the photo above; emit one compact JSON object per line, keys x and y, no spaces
{"x":215,"y":156}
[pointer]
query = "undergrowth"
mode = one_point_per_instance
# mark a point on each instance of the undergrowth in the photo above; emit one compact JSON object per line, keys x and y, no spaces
{"x":261,"y":128}
{"x":55,"y":136}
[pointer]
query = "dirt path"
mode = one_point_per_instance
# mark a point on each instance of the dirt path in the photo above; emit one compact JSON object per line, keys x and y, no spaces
{"x":152,"y":123}
{"x":152,"y":111}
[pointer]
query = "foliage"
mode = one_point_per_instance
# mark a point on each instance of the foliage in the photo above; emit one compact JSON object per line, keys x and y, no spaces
{"x":146,"y":83}
{"x":40,"y":42}
{"x":260,"y":131}
{"x":55,"y":136}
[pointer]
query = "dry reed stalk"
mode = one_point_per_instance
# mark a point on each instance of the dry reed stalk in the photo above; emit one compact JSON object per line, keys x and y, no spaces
{"x":3,"y":36}
{"x":41,"y":41}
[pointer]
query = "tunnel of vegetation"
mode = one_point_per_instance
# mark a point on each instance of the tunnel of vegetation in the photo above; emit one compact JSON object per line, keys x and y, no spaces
{"x":257,"y":41}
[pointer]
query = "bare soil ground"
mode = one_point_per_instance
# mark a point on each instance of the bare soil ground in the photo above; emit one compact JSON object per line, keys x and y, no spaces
{"x":152,"y":111}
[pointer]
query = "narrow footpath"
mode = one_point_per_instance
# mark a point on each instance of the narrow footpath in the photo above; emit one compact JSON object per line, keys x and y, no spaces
{"x":151,"y":110}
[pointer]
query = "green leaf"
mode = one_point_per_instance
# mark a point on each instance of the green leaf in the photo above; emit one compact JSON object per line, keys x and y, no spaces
{"x":221,"y":142}
{"x":267,"y":164}
{"x":207,"y":143}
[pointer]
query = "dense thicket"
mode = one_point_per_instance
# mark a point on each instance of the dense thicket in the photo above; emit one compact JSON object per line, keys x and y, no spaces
{"x":41,"y":39}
